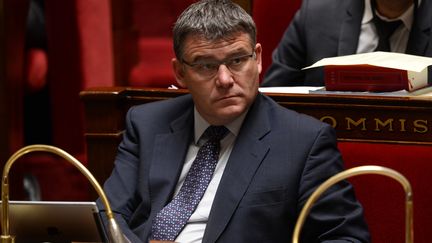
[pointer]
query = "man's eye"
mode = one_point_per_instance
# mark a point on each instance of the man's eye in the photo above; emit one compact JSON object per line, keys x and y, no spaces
{"x":207,"y":66}
{"x":236,"y":61}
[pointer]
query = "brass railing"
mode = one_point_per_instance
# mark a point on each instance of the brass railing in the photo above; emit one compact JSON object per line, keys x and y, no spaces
{"x":361,"y":170}
{"x":114,"y":232}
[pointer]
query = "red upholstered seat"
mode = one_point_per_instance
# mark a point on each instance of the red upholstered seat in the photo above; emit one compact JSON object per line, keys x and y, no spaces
{"x":11,"y":77}
{"x":383,"y":198}
{"x":155,"y":50}
{"x":154,"y":68}
{"x":78,"y":56}
{"x":272,"y":17}
{"x":36,"y":69}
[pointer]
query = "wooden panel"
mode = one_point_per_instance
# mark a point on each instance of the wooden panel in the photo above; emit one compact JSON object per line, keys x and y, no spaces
{"x":389,"y":131}
{"x":395,"y":120}
{"x":368,"y":118}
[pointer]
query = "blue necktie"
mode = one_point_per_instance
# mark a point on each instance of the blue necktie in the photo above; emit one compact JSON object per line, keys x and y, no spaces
{"x":172,"y":218}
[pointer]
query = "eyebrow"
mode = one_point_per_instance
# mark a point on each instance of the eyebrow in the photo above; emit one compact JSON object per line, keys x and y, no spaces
{"x":235,"y":53}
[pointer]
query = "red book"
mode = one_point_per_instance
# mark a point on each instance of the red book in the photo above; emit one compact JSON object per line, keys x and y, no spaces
{"x":375,"y":71}
{"x":365,"y":78}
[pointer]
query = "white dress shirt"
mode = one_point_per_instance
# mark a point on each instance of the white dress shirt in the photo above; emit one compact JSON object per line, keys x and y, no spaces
{"x":194,"y":230}
{"x":368,"y":39}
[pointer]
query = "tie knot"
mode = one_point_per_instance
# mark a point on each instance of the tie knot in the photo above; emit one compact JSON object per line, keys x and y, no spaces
{"x":215,"y":132}
{"x":386,"y":28}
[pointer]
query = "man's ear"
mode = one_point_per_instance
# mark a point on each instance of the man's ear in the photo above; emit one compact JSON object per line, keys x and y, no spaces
{"x":258,"y":52}
{"x":179,"y":72}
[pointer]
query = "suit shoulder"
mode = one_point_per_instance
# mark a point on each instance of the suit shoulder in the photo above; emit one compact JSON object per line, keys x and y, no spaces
{"x":322,"y":5}
{"x":328,"y":12}
{"x":325,"y":17}
{"x":285,"y":117}
{"x":299,"y":131}
{"x":166,"y":103}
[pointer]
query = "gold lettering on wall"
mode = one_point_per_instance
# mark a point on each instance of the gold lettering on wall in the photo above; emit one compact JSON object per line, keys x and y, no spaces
{"x":402,"y":123}
{"x":420,"y":126}
{"x":361,"y":121}
{"x":330,"y":120}
{"x":388,"y":122}
{"x":364,"y":124}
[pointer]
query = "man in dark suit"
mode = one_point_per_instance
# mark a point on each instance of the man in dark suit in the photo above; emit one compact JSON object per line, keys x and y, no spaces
{"x":269,"y":162}
{"x":328,"y":28}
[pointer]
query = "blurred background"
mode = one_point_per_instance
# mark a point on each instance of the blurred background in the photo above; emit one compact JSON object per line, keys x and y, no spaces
{"x":51,"y":50}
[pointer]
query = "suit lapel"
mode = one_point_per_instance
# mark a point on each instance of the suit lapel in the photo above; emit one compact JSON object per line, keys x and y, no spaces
{"x":168,"y":159}
{"x":247,"y":155}
{"x":350,"y":29}
{"x":420,"y":33}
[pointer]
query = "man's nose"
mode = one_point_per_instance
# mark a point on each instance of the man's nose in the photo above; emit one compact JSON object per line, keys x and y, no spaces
{"x":224,"y":76}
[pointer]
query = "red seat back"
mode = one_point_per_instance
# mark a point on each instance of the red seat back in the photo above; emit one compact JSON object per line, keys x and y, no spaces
{"x":155,"y":48}
{"x":78,"y":56}
{"x":383,"y":198}
{"x":272,"y":17}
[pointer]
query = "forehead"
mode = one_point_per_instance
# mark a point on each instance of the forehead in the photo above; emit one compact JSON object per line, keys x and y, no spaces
{"x":197,"y":46}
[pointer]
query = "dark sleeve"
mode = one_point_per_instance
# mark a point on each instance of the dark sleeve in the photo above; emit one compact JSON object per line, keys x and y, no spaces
{"x":120,"y":187}
{"x":289,"y":56}
{"x":337,"y":216}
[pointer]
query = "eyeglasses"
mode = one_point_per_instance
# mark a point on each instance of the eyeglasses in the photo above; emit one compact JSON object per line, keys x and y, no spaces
{"x":208,"y":69}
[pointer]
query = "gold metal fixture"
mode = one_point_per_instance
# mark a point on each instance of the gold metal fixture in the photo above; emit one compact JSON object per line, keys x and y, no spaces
{"x":115,"y":235}
{"x":361,"y":170}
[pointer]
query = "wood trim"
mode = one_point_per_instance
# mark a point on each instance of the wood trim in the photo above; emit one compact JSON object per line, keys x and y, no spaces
{"x":376,"y":119}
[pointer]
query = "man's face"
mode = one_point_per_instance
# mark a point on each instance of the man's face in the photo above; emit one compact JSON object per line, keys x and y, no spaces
{"x":221,"y":75}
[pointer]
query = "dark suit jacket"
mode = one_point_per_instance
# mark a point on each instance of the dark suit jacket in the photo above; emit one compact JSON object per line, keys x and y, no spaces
{"x":328,"y":28}
{"x":279,"y":158}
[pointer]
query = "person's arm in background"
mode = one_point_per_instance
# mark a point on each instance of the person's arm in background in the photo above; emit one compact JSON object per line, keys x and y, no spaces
{"x":289,"y":56}
{"x":321,"y":28}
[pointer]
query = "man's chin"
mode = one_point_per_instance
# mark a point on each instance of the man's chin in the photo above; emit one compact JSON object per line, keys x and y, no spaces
{"x":231,"y":112}
{"x":231,"y":103}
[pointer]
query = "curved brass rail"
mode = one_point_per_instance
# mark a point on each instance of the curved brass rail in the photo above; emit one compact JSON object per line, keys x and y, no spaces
{"x":368,"y":169}
{"x":114,"y":232}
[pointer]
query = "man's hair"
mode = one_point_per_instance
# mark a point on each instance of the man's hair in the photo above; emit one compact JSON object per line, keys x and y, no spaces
{"x":212,"y":20}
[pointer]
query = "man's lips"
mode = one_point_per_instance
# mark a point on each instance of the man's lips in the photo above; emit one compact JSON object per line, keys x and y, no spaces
{"x":227,"y":97}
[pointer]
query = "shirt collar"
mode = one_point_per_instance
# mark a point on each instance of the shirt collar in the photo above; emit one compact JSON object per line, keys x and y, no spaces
{"x":367,"y":13}
{"x":201,"y":125}
{"x":407,"y":17}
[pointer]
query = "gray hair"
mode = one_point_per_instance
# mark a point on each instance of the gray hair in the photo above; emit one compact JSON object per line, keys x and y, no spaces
{"x":212,"y":20}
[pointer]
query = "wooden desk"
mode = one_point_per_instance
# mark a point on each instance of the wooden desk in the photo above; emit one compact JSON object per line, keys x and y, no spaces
{"x":395,"y":132}
{"x":356,"y":118}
